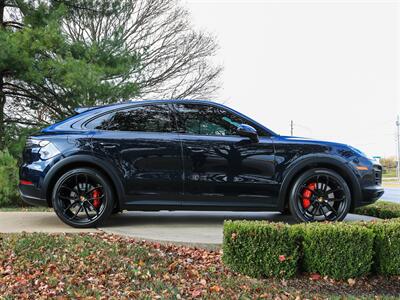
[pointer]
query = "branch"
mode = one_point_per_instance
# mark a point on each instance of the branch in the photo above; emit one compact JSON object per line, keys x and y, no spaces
{"x":12,"y":121}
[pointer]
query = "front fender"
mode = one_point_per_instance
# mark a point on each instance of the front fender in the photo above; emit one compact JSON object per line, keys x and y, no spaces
{"x":320,"y":160}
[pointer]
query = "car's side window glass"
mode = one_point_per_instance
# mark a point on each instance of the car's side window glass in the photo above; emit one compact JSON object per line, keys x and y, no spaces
{"x":206,"y":120}
{"x":147,"y":118}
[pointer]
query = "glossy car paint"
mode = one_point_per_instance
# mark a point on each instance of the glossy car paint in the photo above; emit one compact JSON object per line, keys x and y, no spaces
{"x":229,"y":171}
{"x":173,"y":170}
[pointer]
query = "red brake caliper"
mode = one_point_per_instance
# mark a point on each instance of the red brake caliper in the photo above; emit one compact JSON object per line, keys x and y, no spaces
{"x":96,"y":199}
{"x":307,"y":194}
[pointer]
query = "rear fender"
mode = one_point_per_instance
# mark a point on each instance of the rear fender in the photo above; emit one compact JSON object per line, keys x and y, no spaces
{"x":89,"y":161}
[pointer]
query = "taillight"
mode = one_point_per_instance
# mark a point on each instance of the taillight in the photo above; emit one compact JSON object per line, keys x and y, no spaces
{"x":33,"y":143}
{"x":25,"y":182}
{"x":44,"y":148}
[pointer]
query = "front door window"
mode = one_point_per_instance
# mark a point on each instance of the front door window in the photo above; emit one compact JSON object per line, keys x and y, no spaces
{"x":207,"y":120}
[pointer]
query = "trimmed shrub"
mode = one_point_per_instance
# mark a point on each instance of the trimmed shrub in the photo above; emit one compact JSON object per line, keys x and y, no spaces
{"x":337,"y":250}
{"x":386,"y":246}
{"x":8,"y":180}
{"x":257,"y":248}
{"x":380,"y":209}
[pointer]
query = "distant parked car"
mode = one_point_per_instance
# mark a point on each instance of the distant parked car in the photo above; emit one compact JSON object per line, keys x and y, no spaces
{"x":188,"y":155}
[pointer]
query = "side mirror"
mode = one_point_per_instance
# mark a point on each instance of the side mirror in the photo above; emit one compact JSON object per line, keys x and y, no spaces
{"x":249,"y":132}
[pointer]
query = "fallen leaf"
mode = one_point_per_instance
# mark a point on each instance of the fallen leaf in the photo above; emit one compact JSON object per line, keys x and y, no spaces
{"x":196,"y":293}
{"x":315,"y":277}
{"x":172,"y":267}
{"x":215,"y":289}
{"x":351,"y":281}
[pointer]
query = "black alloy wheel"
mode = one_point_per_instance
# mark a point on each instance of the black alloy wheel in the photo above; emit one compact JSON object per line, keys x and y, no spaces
{"x":83,"y":198}
{"x":320,"y":195}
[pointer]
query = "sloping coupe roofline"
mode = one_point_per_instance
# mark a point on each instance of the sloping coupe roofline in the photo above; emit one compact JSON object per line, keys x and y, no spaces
{"x":81,"y":111}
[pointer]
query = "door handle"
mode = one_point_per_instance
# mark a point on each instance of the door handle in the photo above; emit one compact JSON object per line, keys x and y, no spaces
{"x":108,"y":145}
{"x":196,"y":149}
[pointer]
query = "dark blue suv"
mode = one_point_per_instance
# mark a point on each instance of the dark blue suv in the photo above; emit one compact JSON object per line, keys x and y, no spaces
{"x":188,"y":155}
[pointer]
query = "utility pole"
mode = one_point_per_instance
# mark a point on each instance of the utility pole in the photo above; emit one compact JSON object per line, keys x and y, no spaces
{"x":398,"y":147}
{"x":291,"y":127}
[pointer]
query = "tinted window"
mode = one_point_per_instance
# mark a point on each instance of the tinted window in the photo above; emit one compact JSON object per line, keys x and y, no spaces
{"x":207,"y":120}
{"x":151,"y":118}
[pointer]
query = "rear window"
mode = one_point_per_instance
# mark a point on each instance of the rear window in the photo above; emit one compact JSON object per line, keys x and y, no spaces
{"x":148,"y":118}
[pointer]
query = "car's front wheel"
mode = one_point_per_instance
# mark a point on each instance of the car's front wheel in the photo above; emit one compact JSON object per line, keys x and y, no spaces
{"x":319,"y":195}
{"x":83,"y":198}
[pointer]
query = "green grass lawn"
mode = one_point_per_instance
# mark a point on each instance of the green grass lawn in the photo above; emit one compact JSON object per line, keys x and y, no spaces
{"x":108,"y":266}
{"x":389,"y":174}
{"x":26,"y":208}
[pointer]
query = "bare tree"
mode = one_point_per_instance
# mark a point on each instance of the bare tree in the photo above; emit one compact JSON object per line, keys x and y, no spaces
{"x":69,"y":53}
{"x":174,"y":58}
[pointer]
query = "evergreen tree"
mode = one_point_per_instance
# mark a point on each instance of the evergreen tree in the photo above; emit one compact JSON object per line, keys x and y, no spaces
{"x":56,"y":55}
{"x":44,"y":74}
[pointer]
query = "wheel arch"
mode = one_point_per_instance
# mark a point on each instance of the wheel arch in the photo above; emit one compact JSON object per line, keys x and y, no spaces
{"x":326,"y":162}
{"x":81,"y":161}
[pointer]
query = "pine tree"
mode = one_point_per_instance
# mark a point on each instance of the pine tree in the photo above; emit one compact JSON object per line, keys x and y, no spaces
{"x":44,"y":74}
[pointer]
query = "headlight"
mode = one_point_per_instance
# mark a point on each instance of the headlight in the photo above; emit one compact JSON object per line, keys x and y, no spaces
{"x":48,"y":150}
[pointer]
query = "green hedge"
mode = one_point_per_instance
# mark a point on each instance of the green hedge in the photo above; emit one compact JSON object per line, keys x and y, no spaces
{"x":337,"y":250}
{"x":380,"y":209}
{"x":258,"y":248}
{"x":8,"y":180}
{"x":386,"y":246}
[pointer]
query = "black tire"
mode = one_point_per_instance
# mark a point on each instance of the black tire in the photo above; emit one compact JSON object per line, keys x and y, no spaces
{"x":319,"y":195}
{"x":83,"y":198}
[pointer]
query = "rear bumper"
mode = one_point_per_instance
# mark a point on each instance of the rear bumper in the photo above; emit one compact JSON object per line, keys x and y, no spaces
{"x":31,"y":195}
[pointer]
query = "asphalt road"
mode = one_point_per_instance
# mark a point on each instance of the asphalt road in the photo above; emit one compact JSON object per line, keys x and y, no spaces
{"x":392,"y":194}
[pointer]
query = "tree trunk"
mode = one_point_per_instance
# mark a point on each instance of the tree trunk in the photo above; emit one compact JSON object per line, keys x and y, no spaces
{"x":2,"y":94}
{"x":2,"y":106}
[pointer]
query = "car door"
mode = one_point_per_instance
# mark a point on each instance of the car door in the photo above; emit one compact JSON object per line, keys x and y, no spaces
{"x":221,"y":168}
{"x":141,"y":141}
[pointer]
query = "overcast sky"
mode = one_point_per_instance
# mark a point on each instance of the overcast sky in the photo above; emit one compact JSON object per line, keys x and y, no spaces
{"x":331,"y":66}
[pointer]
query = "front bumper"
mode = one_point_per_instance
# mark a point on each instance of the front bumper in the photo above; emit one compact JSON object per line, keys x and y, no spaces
{"x":371,"y":194}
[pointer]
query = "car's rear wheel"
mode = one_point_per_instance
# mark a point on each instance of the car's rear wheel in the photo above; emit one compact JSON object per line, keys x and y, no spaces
{"x":83,"y":198}
{"x":319,"y":195}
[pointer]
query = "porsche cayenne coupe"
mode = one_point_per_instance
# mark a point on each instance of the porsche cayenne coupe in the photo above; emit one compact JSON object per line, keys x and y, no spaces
{"x":188,"y":155}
